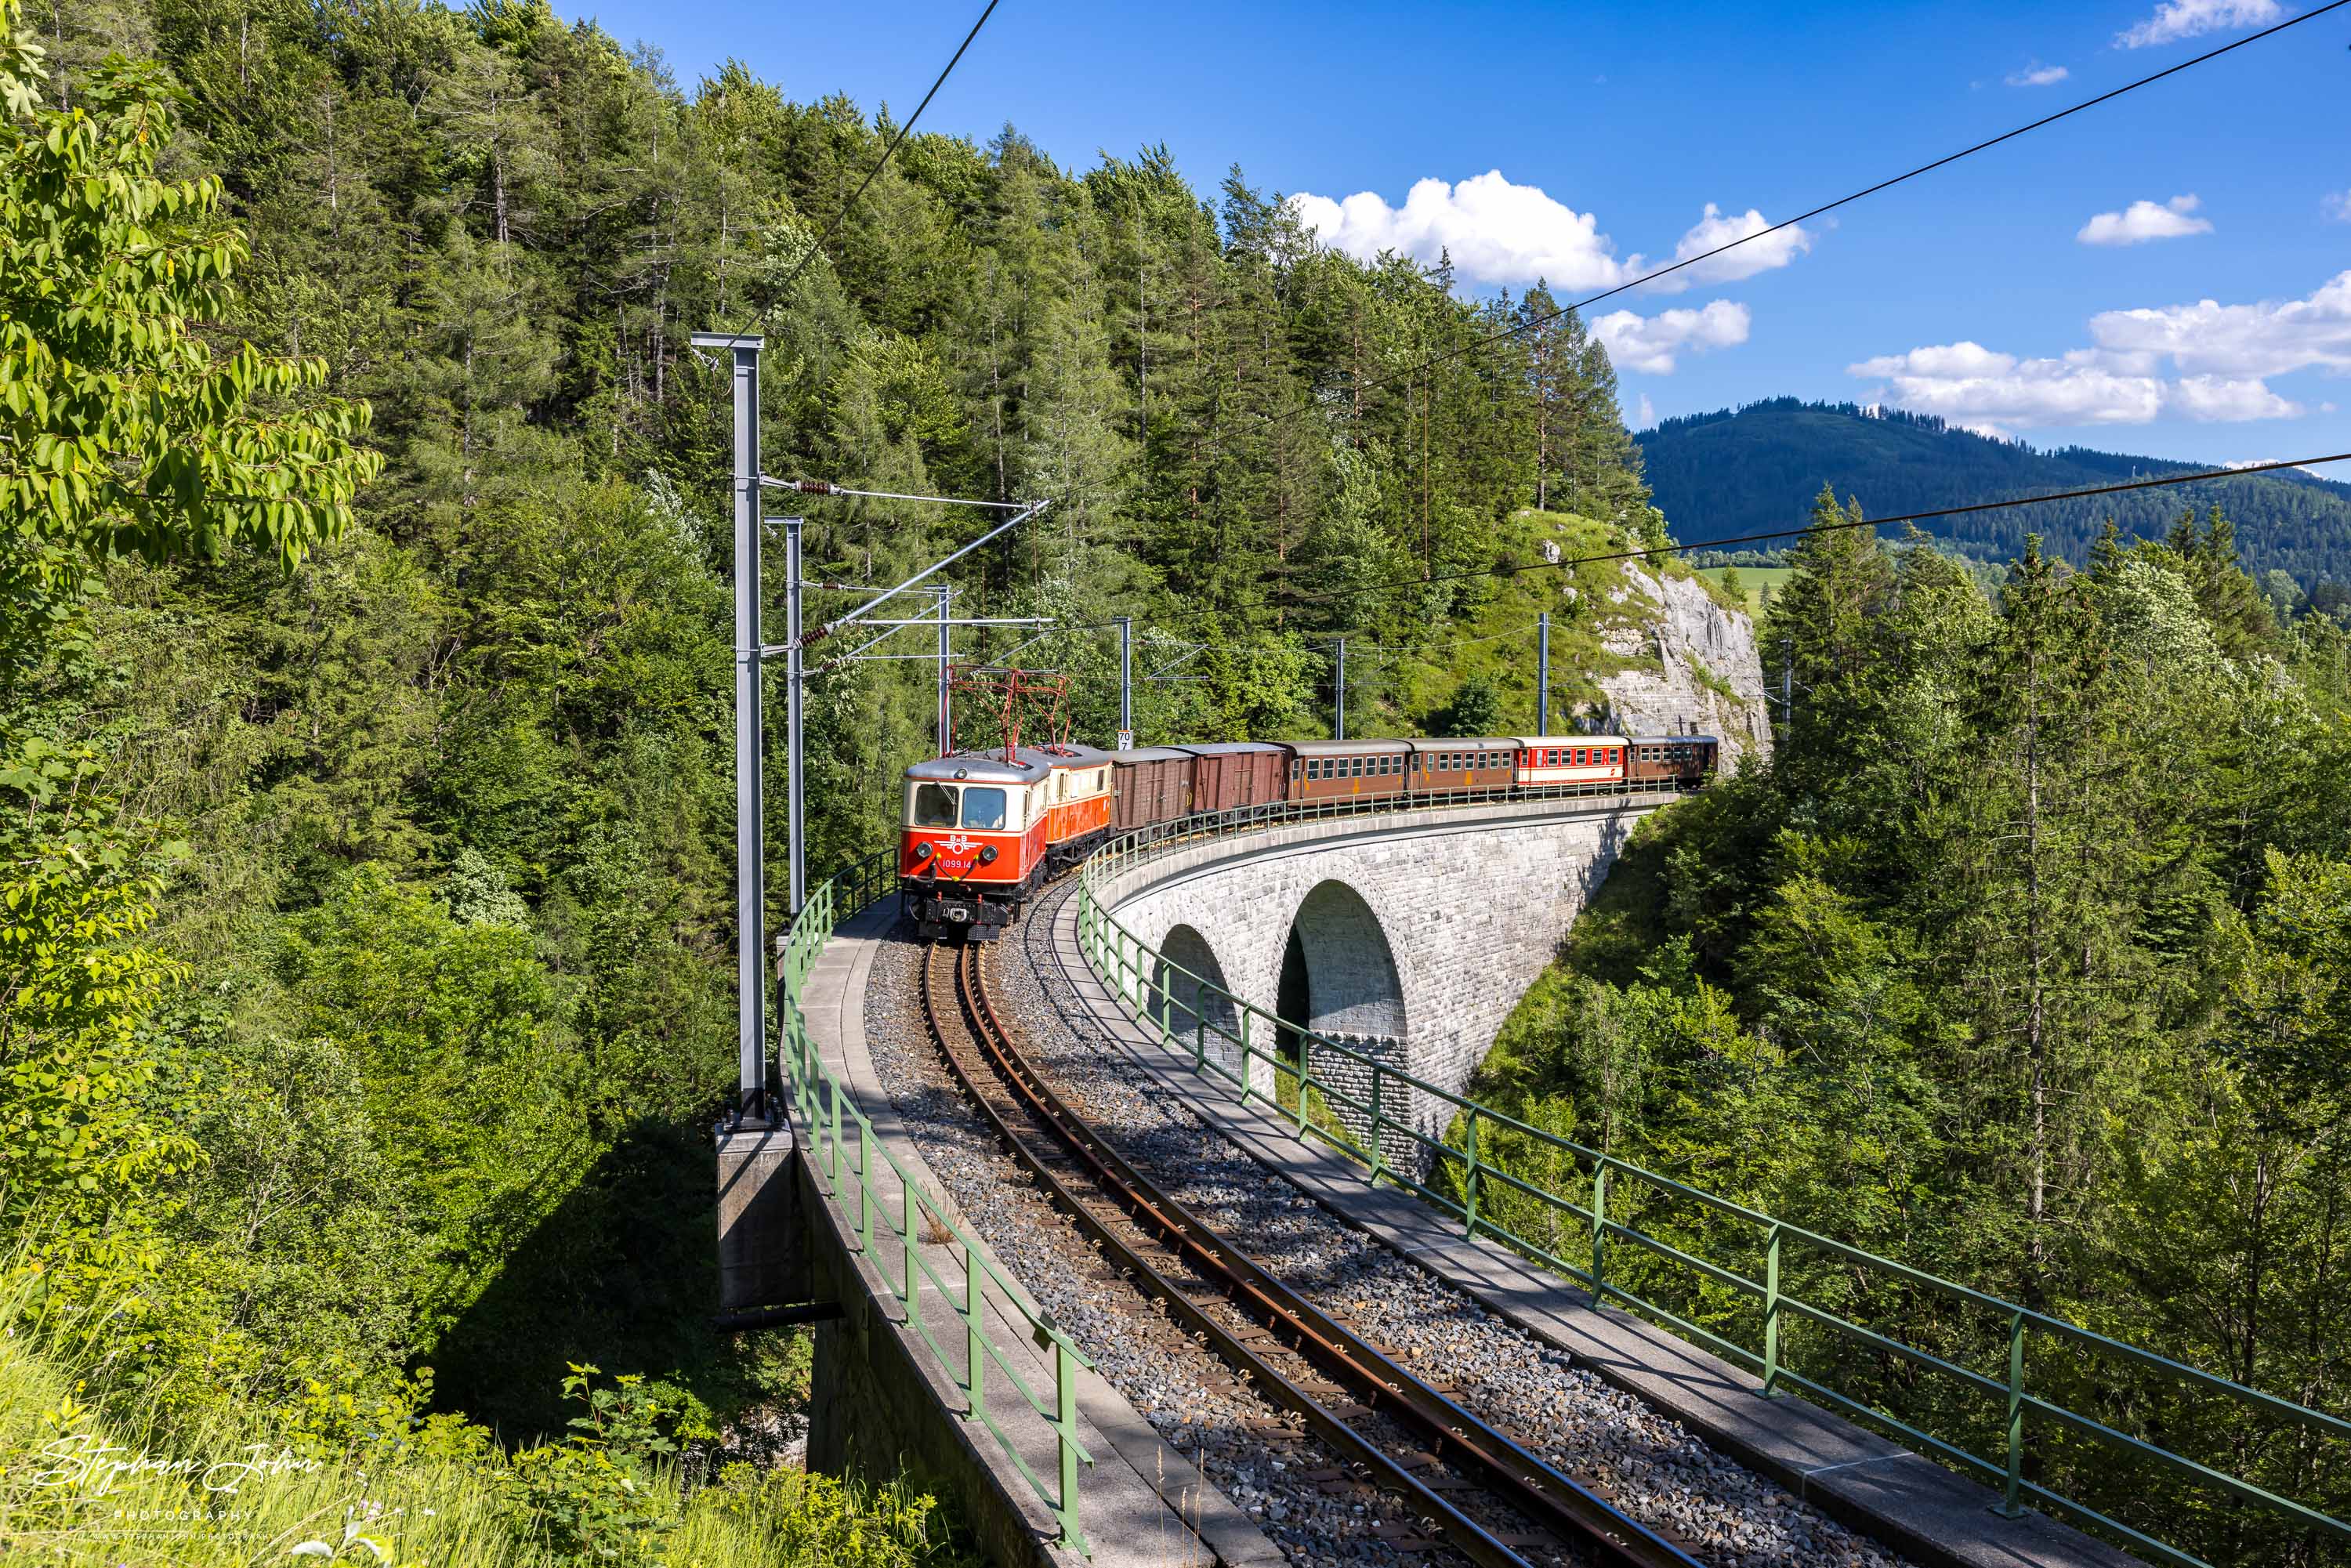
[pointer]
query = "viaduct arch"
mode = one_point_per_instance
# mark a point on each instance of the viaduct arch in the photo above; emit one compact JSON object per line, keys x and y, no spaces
{"x":1409,"y":935}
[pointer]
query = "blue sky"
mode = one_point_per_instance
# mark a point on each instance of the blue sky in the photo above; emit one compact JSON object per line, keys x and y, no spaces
{"x":2053,"y":288}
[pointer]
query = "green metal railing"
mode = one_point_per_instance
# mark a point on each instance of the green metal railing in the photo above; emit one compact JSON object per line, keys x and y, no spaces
{"x":1146,"y":981}
{"x":841,"y":1142}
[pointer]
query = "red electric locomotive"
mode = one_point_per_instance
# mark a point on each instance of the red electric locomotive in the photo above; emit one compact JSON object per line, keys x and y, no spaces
{"x":981,"y":832}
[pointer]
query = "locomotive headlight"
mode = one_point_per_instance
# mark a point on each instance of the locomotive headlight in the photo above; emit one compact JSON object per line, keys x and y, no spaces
{"x":923,"y":852}
{"x":988,"y":855}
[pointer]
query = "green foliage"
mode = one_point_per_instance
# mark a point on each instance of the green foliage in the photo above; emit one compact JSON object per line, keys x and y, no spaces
{"x":2018,"y":963}
{"x":350,"y":1482}
{"x":80,"y":1136}
{"x":1475,"y":709}
{"x":120,"y":429}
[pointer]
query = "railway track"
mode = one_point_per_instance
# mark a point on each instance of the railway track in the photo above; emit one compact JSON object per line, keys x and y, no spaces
{"x":1472,"y":1489}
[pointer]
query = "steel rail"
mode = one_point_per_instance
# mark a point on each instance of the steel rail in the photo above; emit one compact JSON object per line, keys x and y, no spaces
{"x":1555,"y":1502}
{"x":1479,"y":1545}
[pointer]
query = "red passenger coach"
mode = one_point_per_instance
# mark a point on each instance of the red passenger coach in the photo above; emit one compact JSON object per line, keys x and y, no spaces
{"x":973,"y":842}
{"x":1463,"y":762}
{"x":1686,"y":761}
{"x":1348,"y":769}
{"x":1078,"y":805}
{"x":1549,"y":759}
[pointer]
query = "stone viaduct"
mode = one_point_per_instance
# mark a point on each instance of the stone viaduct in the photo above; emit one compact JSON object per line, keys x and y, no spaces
{"x":1408,"y":935}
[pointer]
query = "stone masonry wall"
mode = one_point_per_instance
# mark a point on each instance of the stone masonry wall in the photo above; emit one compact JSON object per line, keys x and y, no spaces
{"x":1460,"y":911}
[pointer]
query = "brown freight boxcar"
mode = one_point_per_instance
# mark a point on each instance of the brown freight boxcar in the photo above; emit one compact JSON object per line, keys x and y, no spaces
{"x":1230,"y":774}
{"x":1467,"y":762}
{"x":1684,"y":759}
{"x":1347,"y":770}
{"x":1154,"y":784}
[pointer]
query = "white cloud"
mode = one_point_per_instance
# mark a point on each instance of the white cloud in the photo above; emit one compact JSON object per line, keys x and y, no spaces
{"x":2204,"y":362}
{"x":1501,"y":232}
{"x":2218,"y":401}
{"x":2176,"y":19}
{"x":1497,"y":232}
{"x":1714,"y":229}
{"x":1648,"y":416}
{"x":2038,"y":75}
{"x":1970,"y":384}
{"x":2337,"y":205}
{"x":1997,"y":394}
{"x":2267,"y":338}
{"x":2143,"y":220}
{"x":1649,"y":343}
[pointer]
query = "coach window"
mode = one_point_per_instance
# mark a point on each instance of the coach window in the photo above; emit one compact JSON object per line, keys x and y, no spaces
{"x":934,"y":806}
{"x":984,"y":809}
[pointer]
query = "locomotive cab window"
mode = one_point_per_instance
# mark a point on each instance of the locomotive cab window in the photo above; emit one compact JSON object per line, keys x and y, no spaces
{"x":983,"y":809}
{"x":934,"y":806}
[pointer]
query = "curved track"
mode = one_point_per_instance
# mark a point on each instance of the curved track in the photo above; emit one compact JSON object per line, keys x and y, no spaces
{"x":1472,"y":1487}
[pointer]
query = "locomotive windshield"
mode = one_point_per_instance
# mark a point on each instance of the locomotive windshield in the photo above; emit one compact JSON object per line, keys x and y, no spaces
{"x":982,"y":809}
{"x":934,"y":806}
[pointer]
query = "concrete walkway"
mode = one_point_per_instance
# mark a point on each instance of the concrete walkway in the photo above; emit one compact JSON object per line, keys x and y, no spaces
{"x":1911,"y":1504}
{"x":1142,"y":1504}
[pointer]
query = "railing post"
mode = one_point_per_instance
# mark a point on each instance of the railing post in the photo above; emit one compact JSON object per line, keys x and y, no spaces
{"x":1301,"y":1080}
{"x":1248,"y":1053}
{"x":2011,"y":1503}
{"x":1599,"y":1231}
{"x":1772,"y":1315}
{"x":1065,"y":1390}
{"x":1378,"y":1121}
{"x":866,"y":1204}
{"x":1199,"y":1026}
{"x":1471,"y":1182}
{"x":975,"y":1345}
{"x":832,"y":1153}
{"x":906,"y":1210}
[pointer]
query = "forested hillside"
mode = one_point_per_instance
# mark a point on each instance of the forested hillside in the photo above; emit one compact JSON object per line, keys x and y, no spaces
{"x":392,"y":777}
{"x":2027,"y":961}
{"x":1718,"y":474}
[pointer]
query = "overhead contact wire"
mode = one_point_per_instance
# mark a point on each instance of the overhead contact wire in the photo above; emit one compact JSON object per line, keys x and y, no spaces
{"x":881,"y":162}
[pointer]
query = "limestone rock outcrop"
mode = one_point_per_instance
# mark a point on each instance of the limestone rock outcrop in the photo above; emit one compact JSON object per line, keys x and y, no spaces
{"x":1709,"y":679}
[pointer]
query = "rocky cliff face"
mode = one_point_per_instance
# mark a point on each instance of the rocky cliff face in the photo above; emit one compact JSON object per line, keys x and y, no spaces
{"x":1703,"y":676}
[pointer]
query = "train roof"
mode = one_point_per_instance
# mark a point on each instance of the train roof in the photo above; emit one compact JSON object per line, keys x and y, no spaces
{"x":1151,"y":754}
{"x":1668,"y":739}
{"x":1348,"y":747}
{"x":984,"y":768}
{"x":1455,"y":742}
{"x":1071,"y":755}
{"x":1536,"y":740}
{"x":1230,"y":747}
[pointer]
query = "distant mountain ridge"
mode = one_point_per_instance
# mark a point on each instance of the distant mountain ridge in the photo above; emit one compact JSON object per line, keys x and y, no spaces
{"x":1759,"y":467}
